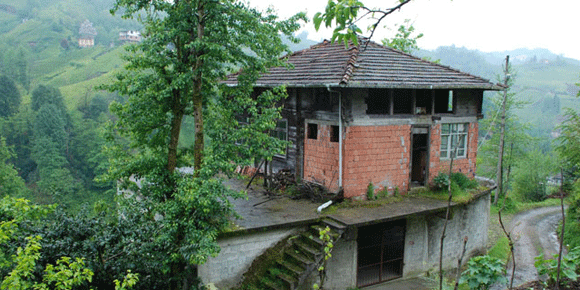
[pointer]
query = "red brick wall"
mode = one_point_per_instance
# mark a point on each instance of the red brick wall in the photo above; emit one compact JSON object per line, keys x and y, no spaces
{"x":377,"y":154}
{"x":321,"y":159}
{"x":464,"y":165}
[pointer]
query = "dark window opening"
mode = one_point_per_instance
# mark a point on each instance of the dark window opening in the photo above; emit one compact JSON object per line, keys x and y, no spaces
{"x":423,"y":102}
{"x":402,"y":102}
{"x":312,"y":131}
{"x":378,"y":102}
{"x":334,"y":134}
{"x":323,"y":100}
{"x":443,"y":101}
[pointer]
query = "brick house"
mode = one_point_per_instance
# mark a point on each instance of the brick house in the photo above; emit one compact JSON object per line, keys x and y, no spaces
{"x":400,"y":120}
{"x":357,"y":116}
{"x":87,"y":34}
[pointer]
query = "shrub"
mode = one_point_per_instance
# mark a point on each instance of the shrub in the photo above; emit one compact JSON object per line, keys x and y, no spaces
{"x":569,"y":268}
{"x":370,"y":191}
{"x":463,"y":181}
{"x":441,"y":181}
{"x":482,"y":272}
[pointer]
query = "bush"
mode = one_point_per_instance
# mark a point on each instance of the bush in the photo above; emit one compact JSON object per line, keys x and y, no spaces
{"x":482,"y":272}
{"x":463,"y":181}
{"x":460,"y":180}
{"x":572,"y":234}
{"x":441,"y":181}
{"x":569,"y":269}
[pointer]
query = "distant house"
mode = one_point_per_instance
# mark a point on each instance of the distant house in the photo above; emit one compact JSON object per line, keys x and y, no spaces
{"x":87,"y":34}
{"x":130,"y":36}
{"x":360,"y":118}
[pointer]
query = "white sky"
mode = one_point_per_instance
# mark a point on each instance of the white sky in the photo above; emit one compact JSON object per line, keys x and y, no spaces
{"x":487,"y":25}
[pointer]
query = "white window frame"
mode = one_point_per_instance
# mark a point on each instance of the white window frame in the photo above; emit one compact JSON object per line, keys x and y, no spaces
{"x":449,"y":139}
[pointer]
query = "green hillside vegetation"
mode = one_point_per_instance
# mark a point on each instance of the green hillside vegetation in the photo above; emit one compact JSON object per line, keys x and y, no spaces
{"x":544,"y":82}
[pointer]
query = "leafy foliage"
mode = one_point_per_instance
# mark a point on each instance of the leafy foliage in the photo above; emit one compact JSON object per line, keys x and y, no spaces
{"x":177,"y":71}
{"x":570,"y":267}
{"x":530,"y":181}
{"x":10,"y":182}
{"x":404,"y":39}
{"x":482,"y":272}
{"x":9,"y":97}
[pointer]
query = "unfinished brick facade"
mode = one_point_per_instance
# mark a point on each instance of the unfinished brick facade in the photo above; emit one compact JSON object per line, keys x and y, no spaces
{"x":377,"y":155}
{"x":321,"y":159}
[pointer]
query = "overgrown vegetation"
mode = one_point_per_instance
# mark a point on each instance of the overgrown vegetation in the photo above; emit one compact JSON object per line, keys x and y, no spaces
{"x":482,"y":272}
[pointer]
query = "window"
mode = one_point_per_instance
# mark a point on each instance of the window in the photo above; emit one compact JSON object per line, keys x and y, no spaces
{"x":334,"y":133}
{"x":312,"y":131}
{"x":423,"y":102}
{"x":403,"y":101}
{"x":281,"y":132}
{"x":443,"y":101}
{"x":452,"y":136}
{"x":378,"y":102}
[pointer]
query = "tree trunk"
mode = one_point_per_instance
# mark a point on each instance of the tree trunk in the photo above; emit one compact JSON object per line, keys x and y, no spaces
{"x":499,"y":190}
{"x":198,"y":146}
{"x":177,"y":111}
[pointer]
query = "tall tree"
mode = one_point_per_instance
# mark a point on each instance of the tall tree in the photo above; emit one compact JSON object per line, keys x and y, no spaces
{"x":190,"y":46}
{"x":10,"y":182}
{"x":43,"y":94}
{"x":516,"y":140}
{"x":9,"y":97}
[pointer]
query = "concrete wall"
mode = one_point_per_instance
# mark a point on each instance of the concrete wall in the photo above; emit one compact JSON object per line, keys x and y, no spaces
{"x":421,"y":254}
{"x":422,"y":242}
{"x":423,"y":237}
{"x":236,"y":256}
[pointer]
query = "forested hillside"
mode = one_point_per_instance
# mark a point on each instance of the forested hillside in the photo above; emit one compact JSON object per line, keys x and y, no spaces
{"x":54,"y":126}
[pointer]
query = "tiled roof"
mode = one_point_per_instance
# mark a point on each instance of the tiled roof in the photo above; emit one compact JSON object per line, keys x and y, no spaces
{"x":328,"y":64}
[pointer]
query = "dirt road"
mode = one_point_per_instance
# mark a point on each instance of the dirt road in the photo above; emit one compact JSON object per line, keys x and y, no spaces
{"x":534,"y":233}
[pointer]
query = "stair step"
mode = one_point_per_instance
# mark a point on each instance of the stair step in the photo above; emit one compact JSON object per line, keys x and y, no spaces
{"x":271,"y":284}
{"x":289,"y":280}
{"x":306,"y":248}
{"x":315,"y":230}
{"x":312,"y":237}
{"x":299,"y":257}
{"x":291,"y":267}
{"x":334,"y":224}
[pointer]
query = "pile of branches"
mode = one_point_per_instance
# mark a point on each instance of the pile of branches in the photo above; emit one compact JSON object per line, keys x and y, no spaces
{"x":284,"y":180}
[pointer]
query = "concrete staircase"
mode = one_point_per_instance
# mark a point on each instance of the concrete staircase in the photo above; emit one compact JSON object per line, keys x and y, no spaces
{"x":301,"y":258}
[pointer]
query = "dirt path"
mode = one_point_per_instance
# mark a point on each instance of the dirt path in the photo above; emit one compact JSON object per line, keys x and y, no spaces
{"x":534,"y":233}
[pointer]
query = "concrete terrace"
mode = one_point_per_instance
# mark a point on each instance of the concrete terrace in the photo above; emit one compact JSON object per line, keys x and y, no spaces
{"x":260,"y":211}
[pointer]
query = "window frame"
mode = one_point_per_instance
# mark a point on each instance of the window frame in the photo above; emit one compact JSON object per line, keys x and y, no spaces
{"x":276,"y":130}
{"x":450,"y":137}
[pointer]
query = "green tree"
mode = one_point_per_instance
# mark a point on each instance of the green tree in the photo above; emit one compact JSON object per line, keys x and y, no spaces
{"x":530,"y":175}
{"x":190,"y":47}
{"x":43,"y":95}
{"x":516,"y":141}
{"x":9,"y":97}
{"x":18,"y":132}
{"x":10,"y":182}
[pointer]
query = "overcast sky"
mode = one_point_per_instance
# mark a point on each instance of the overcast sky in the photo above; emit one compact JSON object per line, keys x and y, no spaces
{"x":487,"y":25}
